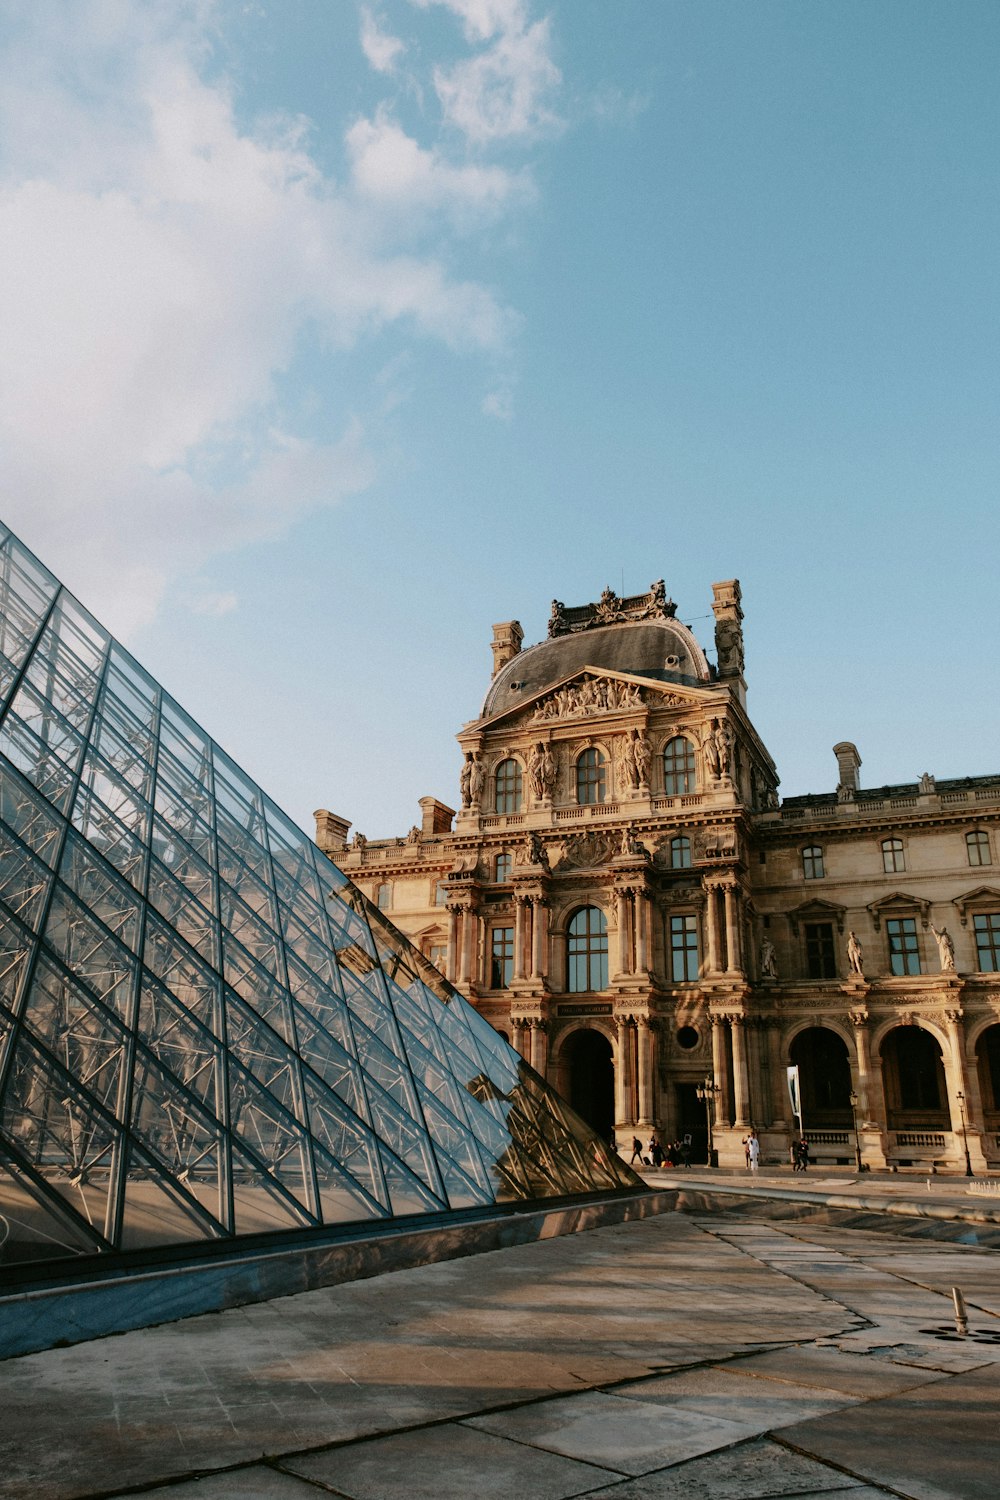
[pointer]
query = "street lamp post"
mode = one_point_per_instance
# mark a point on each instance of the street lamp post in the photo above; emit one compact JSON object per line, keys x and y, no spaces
{"x":706,"y":1092}
{"x":857,"y":1138}
{"x":965,"y":1136}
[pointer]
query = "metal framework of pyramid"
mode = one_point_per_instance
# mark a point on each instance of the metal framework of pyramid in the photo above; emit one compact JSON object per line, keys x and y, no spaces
{"x":206,"y":1031}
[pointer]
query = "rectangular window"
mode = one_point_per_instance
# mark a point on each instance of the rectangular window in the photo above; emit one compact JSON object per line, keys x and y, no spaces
{"x":812,"y":863}
{"x":440,"y":893}
{"x":821,"y":958}
{"x":904,"y":957}
{"x":501,"y":957}
{"x":893,"y":858}
{"x":986,"y":926}
{"x":683,"y":948}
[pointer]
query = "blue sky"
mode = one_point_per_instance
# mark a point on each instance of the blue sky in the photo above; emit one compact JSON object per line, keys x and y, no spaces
{"x":335,"y":332}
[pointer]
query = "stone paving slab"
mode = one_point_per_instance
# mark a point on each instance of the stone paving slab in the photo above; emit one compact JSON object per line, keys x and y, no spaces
{"x":616,"y":1432}
{"x":448,"y":1463}
{"x":941,"y":1442}
{"x":665,"y":1358}
{"x":759,"y":1470}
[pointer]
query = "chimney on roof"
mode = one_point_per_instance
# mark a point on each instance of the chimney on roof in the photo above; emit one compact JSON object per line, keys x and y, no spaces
{"x":331,"y":832}
{"x":848,"y":761}
{"x":507,"y":638}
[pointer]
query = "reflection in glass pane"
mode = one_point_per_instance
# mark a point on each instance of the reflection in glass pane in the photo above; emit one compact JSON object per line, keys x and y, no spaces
{"x":205,"y":1029}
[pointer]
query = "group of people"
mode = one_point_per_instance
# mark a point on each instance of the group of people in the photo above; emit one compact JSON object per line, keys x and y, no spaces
{"x":674,"y":1154}
{"x":800,"y":1155}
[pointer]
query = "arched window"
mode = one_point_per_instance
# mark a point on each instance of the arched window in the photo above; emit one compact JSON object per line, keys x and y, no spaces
{"x":501,"y":868}
{"x":508,"y":786}
{"x":587,"y":951}
{"x":591,"y":783}
{"x":384,"y":897}
{"x":978,"y":845}
{"x":680,"y":853}
{"x":812,"y":862}
{"x":678,"y":766}
{"x":892,"y":856}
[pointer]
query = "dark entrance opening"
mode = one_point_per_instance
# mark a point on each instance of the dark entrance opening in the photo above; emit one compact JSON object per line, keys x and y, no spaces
{"x":913,"y":1074}
{"x":592,"y":1080}
{"x":824,"y":1079}
{"x":691,"y":1120}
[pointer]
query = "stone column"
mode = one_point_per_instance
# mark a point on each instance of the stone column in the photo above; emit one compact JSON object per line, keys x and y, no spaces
{"x":621,"y":912}
{"x":539,"y":937}
{"x":959,"y":1078}
{"x":522,"y":1037}
{"x":641,"y":918}
{"x":779,"y":1078}
{"x":623,"y":1073}
{"x":862,"y":1047}
{"x":538,"y":1048}
{"x":720,"y":1074}
{"x":712,"y":928}
{"x":740,"y":1089}
{"x":470,"y":923}
{"x":453,"y":912}
{"x":644,"y":1052}
{"x":733,"y":962}
{"x":520,"y":903}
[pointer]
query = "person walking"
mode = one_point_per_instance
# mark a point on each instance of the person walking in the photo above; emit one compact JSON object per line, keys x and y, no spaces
{"x":636,"y":1151}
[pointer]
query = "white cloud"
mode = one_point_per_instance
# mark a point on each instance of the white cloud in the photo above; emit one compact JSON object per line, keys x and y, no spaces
{"x":382,"y":50}
{"x":390,"y":168}
{"x":482,"y":19}
{"x":499,"y":404}
{"x":157,"y":266}
{"x":502,"y":93}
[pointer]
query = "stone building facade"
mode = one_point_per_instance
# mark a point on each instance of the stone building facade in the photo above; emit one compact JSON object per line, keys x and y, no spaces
{"x":622,"y":894}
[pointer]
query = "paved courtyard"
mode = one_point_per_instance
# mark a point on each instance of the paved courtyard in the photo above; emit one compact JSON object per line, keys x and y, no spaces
{"x":682,"y":1356}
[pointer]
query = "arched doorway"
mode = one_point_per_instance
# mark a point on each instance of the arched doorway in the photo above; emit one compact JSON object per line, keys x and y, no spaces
{"x":592,"y":1080}
{"x":988,"y":1063}
{"x":913,"y":1078}
{"x":824,"y":1079}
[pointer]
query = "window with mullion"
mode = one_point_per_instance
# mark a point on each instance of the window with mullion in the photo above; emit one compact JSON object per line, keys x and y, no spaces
{"x":678,"y":767}
{"x":591,"y":781}
{"x":587,"y":951}
{"x":893,"y":857}
{"x":904,"y":954}
{"x":977,"y":845}
{"x":821,"y":960}
{"x":508,"y":786}
{"x":812,"y":862}
{"x":986,"y":926}
{"x":683,"y":948}
{"x":501,"y":957}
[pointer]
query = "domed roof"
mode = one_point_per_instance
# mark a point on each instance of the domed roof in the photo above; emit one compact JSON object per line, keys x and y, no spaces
{"x":664,"y":650}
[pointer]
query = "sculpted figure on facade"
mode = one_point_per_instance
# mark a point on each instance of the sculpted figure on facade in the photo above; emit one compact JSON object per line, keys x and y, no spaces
{"x":413,"y":837}
{"x":855,"y":955}
{"x":608,"y":608}
{"x":710,"y":749}
{"x":532,"y":852}
{"x":477,"y":780}
{"x":465,"y":780}
{"x":641,"y":756}
{"x":768,"y":963}
{"x":549,"y":771}
{"x":724,"y":740}
{"x":945,"y":947}
{"x":586,"y":698}
{"x":628,"y":775}
{"x":558,"y":624}
{"x":536,"y":769}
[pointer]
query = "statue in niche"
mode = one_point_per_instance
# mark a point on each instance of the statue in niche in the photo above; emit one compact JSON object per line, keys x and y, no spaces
{"x":465,"y":779}
{"x":855,"y":955}
{"x":627,"y":772}
{"x":710,"y":748}
{"x":945,"y":947}
{"x":768,"y":964}
{"x":558,"y":624}
{"x":724,"y":740}
{"x":549,"y":770}
{"x":641,"y":757}
{"x":536,"y":780}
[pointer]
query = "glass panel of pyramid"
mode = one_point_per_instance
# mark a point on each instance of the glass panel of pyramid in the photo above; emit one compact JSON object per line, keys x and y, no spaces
{"x":205,"y":1030}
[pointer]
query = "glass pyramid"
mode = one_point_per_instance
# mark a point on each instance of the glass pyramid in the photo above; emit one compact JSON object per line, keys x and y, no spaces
{"x":205,"y":1030}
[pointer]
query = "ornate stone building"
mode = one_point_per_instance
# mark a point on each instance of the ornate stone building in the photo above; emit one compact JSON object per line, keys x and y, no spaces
{"x":623,"y":895}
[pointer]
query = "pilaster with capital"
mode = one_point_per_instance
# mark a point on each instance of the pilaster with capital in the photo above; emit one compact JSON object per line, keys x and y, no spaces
{"x":720,"y":1073}
{"x":741,"y":1091}
{"x":624,"y":1112}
